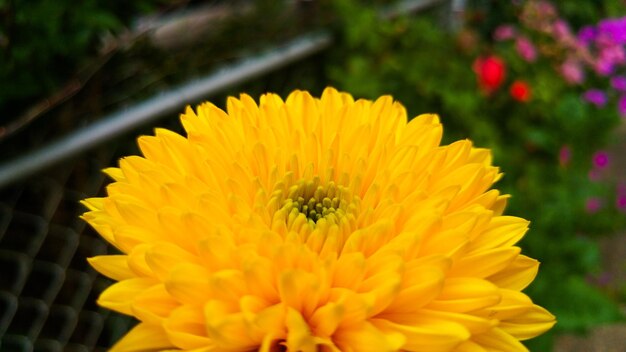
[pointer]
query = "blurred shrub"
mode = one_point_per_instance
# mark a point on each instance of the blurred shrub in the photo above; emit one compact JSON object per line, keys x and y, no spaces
{"x":543,"y":134}
{"x":42,"y":42}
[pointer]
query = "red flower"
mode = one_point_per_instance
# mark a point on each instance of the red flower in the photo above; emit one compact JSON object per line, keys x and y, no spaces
{"x":520,"y":91}
{"x":490,"y":72}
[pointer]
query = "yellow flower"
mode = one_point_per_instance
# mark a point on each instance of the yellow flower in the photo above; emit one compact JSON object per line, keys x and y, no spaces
{"x":313,"y":225}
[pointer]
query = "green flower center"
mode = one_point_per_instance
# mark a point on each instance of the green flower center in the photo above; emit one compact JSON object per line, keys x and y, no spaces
{"x":315,"y":208}
{"x":316,"y":201}
{"x":309,"y":201}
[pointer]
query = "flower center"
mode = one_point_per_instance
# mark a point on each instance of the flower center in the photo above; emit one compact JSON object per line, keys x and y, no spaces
{"x":315,"y":201}
{"x":315,"y":206}
{"x":305,"y":205}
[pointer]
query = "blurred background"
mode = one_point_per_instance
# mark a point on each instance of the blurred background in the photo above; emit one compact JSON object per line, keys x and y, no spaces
{"x":543,"y":84}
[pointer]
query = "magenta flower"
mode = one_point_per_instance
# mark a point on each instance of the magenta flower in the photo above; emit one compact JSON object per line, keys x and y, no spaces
{"x":572,"y":71}
{"x":504,"y":32}
{"x":595,"y":97}
{"x":587,"y":34}
{"x":601,"y":159}
{"x":619,"y":83}
{"x":614,"y":28}
{"x":610,"y":57}
{"x":526,"y":49}
{"x":593,"y":205}
{"x":620,"y":202}
{"x":604,"y":67}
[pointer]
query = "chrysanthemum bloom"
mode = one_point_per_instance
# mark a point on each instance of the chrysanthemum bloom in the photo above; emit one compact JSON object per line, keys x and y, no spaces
{"x":313,"y":225}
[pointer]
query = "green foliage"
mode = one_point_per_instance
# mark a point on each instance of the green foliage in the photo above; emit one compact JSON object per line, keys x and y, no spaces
{"x":430,"y":70}
{"x":42,"y":42}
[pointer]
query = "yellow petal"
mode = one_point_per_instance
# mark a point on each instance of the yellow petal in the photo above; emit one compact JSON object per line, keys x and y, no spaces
{"x":227,"y":328}
{"x":143,"y":337}
{"x":163,"y":256}
{"x":154,"y":304}
{"x":535,"y":321}
{"x":114,"y":173}
{"x":349,"y":270}
{"x":185,"y":328}
{"x":299,"y":290}
{"x":482,"y":264}
{"x":412,"y":298}
{"x":112,"y":266}
{"x":519,"y":274}
{"x":432,"y":337}
{"x":299,"y":336}
{"x":120,"y":295}
{"x":473,"y":324}
{"x":498,"y":340}
{"x":93,"y":204}
{"x":326,"y":319}
{"x":503,"y":231}
{"x":189,"y":283}
{"x":137,"y":260}
{"x":365,"y":337}
{"x":470,"y":346}
{"x":466,"y":294}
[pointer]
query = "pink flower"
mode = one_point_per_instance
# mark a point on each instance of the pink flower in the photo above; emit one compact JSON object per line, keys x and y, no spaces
{"x":561,"y":30}
{"x":620,"y":202}
{"x":572,"y":71}
{"x":601,"y":159}
{"x":604,"y":67}
{"x":610,"y":57}
{"x":526,"y":49}
{"x":504,"y":32}
{"x":593,"y":205}
{"x":614,"y":53}
{"x":619,"y":83}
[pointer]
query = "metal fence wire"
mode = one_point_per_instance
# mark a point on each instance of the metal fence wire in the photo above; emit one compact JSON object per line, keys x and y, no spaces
{"x":48,"y":291}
